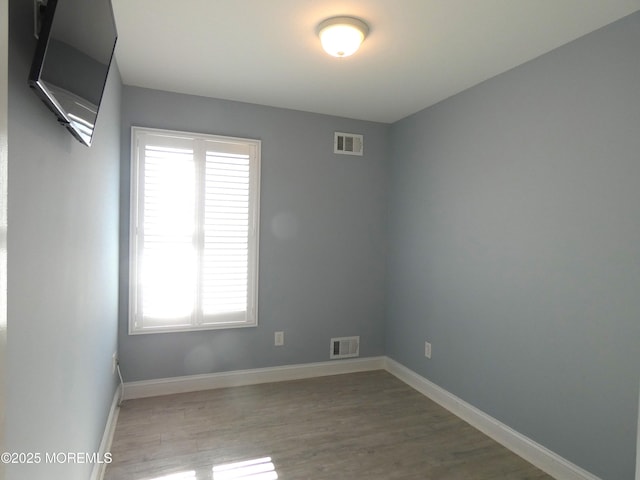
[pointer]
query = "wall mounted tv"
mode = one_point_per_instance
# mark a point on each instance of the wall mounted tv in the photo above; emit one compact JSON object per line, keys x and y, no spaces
{"x":71,"y":63}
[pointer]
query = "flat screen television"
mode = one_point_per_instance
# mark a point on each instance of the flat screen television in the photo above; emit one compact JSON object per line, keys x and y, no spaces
{"x":72,"y":59}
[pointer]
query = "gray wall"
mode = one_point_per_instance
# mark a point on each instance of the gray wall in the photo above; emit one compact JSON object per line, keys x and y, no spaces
{"x":322,"y":238}
{"x":515,"y":247}
{"x":63,"y":270}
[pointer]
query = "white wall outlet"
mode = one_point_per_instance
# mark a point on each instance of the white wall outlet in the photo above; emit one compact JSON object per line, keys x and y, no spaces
{"x":278,"y":339}
{"x":114,"y":362}
{"x":427,"y":349}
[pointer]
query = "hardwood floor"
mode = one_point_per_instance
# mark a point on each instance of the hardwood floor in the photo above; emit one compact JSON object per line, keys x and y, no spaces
{"x":357,"y":426}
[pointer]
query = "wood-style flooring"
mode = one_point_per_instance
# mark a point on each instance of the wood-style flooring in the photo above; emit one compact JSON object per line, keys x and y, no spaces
{"x":368,"y":426}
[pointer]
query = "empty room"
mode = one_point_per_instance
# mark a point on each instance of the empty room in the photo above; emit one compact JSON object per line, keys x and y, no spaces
{"x":234,"y":247}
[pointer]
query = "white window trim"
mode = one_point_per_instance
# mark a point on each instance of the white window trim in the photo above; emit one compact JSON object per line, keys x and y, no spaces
{"x":136,"y":325}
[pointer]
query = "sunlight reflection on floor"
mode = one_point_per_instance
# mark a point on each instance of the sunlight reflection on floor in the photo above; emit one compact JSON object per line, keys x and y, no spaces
{"x":190,"y":475}
{"x":256,"y":469}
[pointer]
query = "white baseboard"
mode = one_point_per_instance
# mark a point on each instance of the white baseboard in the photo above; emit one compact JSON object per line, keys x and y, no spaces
{"x":543,"y":458}
{"x":107,"y":437}
{"x":191,"y":383}
{"x":638,"y":444}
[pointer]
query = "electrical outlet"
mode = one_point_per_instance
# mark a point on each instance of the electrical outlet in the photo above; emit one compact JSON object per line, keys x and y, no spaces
{"x":114,"y":362}
{"x":278,"y":339}
{"x":427,"y":349}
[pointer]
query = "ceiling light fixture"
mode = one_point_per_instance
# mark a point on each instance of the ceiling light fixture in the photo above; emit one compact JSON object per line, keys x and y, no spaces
{"x":342,"y":36}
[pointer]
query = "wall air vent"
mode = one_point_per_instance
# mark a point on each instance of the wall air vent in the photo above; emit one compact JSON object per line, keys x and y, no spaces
{"x":348,"y":143}
{"x":344,"y":347}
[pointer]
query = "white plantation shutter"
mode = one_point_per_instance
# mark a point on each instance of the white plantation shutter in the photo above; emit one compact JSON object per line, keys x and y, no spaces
{"x":168,"y":255}
{"x":226,"y":234}
{"x":194,"y":235}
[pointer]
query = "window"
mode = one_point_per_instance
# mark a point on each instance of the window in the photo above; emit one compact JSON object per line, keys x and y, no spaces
{"x":194,"y":231}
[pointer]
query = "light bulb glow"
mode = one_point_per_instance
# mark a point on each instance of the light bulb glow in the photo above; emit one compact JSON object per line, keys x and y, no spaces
{"x":342,"y":36}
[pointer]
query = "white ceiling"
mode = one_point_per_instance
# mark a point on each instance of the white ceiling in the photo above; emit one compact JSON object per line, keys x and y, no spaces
{"x":418,"y":52}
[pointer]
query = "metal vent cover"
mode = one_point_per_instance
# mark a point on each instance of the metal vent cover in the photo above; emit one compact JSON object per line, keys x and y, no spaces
{"x":344,"y":347}
{"x":348,"y":143}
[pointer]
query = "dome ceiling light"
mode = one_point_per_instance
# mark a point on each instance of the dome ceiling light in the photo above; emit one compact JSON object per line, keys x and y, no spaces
{"x":342,"y":36}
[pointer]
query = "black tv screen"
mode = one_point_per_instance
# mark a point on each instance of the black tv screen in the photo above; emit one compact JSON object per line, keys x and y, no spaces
{"x":71,"y":63}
